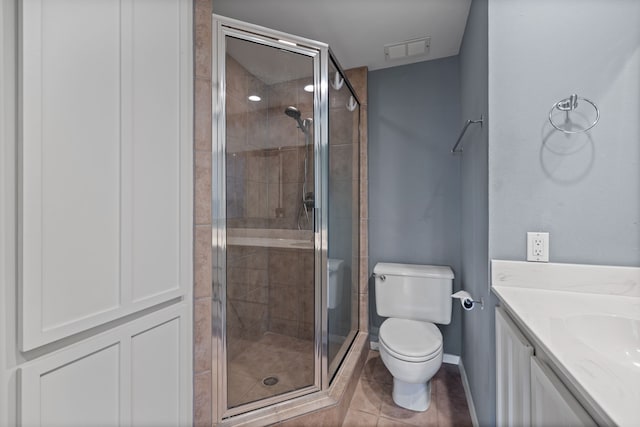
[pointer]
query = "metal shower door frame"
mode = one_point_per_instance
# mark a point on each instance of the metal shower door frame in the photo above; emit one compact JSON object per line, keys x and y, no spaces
{"x":319,"y":52}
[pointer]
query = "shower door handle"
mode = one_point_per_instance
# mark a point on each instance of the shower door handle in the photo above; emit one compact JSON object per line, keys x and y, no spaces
{"x":316,"y":223}
{"x":216,"y":291}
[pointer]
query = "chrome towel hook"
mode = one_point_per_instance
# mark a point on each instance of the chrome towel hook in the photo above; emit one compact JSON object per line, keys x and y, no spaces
{"x":570,"y":104}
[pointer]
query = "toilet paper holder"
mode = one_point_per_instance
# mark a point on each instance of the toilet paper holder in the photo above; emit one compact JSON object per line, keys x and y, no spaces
{"x":467,"y":301}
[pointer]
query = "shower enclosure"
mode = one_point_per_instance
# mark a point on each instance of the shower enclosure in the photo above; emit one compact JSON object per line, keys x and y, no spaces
{"x":285,"y":214}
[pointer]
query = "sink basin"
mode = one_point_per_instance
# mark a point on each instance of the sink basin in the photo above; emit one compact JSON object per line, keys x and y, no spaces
{"x":616,"y":337}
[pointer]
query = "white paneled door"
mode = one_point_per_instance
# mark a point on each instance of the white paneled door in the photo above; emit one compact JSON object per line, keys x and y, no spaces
{"x":105,"y":211}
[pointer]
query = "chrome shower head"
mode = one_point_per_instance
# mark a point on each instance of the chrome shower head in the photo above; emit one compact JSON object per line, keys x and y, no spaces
{"x":292,"y":112}
{"x":295,"y":114}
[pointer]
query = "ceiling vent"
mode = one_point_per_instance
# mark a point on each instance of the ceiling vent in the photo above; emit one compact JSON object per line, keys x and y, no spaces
{"x":415,"y":47}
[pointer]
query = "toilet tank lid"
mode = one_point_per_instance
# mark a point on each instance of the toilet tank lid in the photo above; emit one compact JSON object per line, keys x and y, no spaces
{"x":416,"y":270}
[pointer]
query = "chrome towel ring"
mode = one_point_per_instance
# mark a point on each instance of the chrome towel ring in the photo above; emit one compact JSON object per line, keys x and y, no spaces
{"x":570,"y":104}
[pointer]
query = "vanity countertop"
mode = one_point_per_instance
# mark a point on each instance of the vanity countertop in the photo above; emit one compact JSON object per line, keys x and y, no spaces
{"x":592,"y":339}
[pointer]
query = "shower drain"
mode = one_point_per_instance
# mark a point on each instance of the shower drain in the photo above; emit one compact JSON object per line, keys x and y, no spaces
{"x":269,"y":381}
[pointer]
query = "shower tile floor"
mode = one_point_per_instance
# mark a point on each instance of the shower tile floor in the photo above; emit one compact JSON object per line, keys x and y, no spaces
{"x":372,"y":404}
{"x":288,"y":359}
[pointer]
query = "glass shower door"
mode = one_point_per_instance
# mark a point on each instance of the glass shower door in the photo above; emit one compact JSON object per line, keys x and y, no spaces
{"x":344,"y":218}
{"x":270,"y":297}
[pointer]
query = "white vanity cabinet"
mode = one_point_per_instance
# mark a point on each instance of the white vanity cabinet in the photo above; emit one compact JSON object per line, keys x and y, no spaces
{"x":527,"y":390}
{"x":551,"y":403}
{"x":513,"y":354}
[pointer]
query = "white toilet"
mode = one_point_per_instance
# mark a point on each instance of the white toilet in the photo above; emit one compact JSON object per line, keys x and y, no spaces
{"x":413,"y":297}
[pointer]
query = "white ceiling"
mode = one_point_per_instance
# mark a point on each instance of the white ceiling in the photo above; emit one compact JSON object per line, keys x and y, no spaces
{"x":357,"y":30}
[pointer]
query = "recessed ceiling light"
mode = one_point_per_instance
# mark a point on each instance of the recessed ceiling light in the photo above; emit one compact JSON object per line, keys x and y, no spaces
{"x":308,"y":88}
{"x":254,"y":98}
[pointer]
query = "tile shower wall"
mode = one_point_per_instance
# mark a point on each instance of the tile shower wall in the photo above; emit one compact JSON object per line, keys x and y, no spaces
{"x":291,"y":292}
{"x":265,"y":168}
{"x":269,"y":290}
{"x":247,"y":291}
{"x":358,"y":79}
{"x":344,"y":205}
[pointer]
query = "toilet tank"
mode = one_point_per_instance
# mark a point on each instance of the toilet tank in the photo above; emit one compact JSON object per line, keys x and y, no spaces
{"x":412,"y":291}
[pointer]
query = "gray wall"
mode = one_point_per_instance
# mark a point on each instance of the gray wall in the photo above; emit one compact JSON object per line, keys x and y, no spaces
{"x":584,"y":189}
{"x":414,"y":181}
{"x":478,"y":355}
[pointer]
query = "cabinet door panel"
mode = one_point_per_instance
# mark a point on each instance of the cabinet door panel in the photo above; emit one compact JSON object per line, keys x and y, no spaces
{"x":70,"y":161}
{"x":551,"y":403}
{"x":106,"y":154}
{"x":135,"y":374}
{"x":513,"y":352}
{"x":155,"y":130}
{"x":84,"y":391}
{"x":155,"y":382}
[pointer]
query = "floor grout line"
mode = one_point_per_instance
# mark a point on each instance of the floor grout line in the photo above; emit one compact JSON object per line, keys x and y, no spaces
{"x":446,"y":390}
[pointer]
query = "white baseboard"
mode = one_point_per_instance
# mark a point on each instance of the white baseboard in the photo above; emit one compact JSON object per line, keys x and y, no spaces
{"x":374,"y":345}
{"x":467,"y":393}
{"x":451,"y":359}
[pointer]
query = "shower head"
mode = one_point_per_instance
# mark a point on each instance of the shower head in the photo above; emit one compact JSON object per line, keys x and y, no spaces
{"x":294,"y":113}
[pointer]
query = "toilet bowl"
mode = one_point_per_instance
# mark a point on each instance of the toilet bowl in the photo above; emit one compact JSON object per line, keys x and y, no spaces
{"x":413,"y":297}
{"x":412,"y":352}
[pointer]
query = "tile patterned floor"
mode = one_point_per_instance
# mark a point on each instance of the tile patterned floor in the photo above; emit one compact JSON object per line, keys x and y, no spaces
{"x":372,"y":404}
{"x":287,"y":358}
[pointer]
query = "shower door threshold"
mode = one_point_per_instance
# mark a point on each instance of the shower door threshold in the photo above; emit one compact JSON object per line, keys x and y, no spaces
{"x":246,"y":409}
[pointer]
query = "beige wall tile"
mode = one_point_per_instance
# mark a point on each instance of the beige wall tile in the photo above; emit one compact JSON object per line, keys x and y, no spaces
{"x":364,"y":200}
{"x":202,"y":335}
{"x":364,"y":233}
{"x":202,"y":260}
{"x":202,"y":114}
{"x":202,"y":400}
{"x":237,"y":82}
{"x":236,"y":125}
{"x":282,"y":95}
{"x":340,"y":165}
{"x":284,"y":302}
{"x":364,"y":312}
{"x":358,"y":79}
{"x":285,"y":267}
{"x":202,"y":193}
{"x":202,"y":38}
{"x":364,"y":275}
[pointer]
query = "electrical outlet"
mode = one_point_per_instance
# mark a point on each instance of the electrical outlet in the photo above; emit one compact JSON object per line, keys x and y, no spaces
{"x":537,"y":246}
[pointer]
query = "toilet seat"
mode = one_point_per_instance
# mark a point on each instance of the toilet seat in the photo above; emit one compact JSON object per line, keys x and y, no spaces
{"x":410,"y":340}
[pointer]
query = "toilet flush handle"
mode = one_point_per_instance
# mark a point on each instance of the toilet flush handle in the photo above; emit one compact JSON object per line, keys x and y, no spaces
{"x":381,"y":276}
